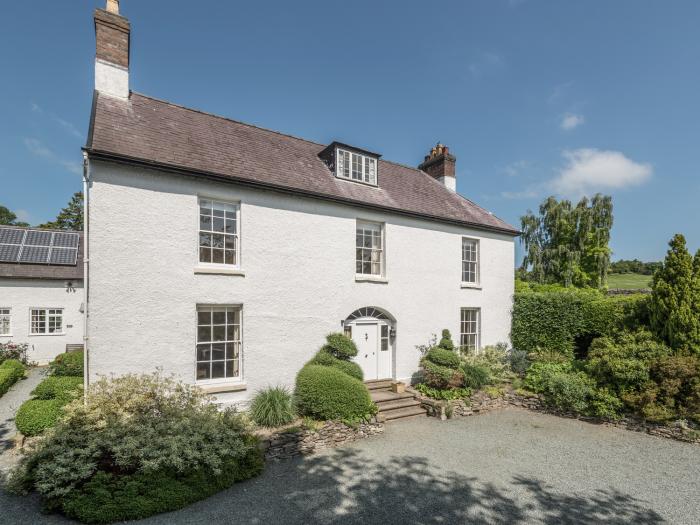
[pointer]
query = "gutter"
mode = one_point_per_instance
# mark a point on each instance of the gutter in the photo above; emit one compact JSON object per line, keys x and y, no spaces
{"x":132,"y":161}
{"x":86,"y":270}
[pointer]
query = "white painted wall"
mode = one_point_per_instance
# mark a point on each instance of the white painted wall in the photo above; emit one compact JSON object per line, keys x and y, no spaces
{"x":21,"y":295}
{"x":298,"y":256}
{"x":111,"y":79}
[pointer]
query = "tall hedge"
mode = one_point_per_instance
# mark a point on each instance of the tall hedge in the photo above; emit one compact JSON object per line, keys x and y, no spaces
{"x":553,"y":318}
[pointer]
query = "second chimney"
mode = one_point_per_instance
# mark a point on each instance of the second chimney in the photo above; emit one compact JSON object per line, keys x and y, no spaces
{"x":440,"y":165}
{"x":112,"y":35}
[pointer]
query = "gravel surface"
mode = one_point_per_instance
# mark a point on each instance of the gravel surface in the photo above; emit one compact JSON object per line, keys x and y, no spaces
{"x":507,"y":467}
{"x":9,"y":403}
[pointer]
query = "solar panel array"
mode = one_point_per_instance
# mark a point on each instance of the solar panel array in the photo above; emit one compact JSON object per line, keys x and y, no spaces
{"x":38,"y":246}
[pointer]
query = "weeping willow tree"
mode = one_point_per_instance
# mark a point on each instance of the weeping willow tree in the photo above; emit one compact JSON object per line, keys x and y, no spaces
{"x":567,"y":244}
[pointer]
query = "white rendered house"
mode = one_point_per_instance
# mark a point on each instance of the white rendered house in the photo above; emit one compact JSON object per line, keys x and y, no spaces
{"x":224,"y":253}
{"x":41,"y":296}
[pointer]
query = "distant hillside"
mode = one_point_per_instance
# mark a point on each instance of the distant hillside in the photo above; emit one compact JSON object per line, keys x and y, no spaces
{"x":634,"y":266}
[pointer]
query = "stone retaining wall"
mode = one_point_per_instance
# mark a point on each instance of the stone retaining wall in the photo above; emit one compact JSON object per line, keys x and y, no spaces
{"x":480,"y":402}
{"x":287,"y":444}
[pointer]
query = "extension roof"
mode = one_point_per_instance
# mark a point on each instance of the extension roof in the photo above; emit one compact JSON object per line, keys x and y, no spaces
{"x":153,"y":133}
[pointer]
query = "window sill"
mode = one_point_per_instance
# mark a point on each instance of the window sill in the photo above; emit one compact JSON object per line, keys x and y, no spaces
{"x":47,"y":335}
{"x":371,"y":279}
{"x":222,"y":388}
{"x":5,"y":335}
{"x":218,"y":271}
{"x":473,"y":286}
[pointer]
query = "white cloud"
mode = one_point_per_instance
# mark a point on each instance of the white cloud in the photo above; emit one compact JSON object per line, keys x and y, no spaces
{"x":571,"y":120}
{"x":590,"y":170}
{"x":38,"y":149}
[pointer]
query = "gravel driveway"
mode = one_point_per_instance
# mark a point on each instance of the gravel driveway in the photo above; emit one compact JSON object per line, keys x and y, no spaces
{"x":510,"y":466}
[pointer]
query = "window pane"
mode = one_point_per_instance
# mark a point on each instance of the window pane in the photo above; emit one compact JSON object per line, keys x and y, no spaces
{"x":217,"y":256}
{"x":217,"y":241}
{"x":230,"y":225}
{"x":219,"y":317}
{"x":203,"y":317}
{"x":203,"y":333}
{"x":218,"y":351}
{"x":229,"y":369}
{"x":219,"y":333}
{"x":204,"y":222}
{"x":217,"y":369}
{"x":229,"y":257}
{"x":204,"y":352}
{"x":218,"y":224}
{"x":232,"y":316}
{"x":205,"y":207}
{"x":205,"y":255}
{"x":232,"y":333}
{"x":205,"y":239}
{"x":203,"y":370}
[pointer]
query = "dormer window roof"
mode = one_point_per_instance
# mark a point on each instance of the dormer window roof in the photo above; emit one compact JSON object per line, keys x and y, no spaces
{"x":353,"y":164}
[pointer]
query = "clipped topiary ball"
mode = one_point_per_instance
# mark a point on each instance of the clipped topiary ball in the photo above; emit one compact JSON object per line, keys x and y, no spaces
{"x":446,"y":341}
{"x":340,"y":346}
{"x":349,"y":367}
{"x":443,"y":357}
{"x":324,"y":393}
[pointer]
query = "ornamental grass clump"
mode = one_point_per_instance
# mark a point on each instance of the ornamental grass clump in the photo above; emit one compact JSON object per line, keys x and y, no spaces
{"x":272,"y":407}
{"x":137,"y":446}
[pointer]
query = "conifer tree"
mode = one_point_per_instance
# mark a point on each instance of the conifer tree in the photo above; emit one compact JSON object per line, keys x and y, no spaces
{"x":675,"y":300}
{"x":70,"y":217}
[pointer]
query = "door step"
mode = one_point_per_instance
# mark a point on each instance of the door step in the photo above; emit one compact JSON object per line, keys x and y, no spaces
{"x":402,"y":413}
{"x":395,"y":404}
{"x":378,"y":384}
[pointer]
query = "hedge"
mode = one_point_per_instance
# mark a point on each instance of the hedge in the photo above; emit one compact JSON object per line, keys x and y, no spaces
{"x":65,"y":388}
{"x":11,"y":371}
{"x":326,"y":393}
{"x":67,"y":364}
{"x":36,"y":415}
{"x":351,"y":368}
{"x":554,"y":319}
{"x":108,"y":498}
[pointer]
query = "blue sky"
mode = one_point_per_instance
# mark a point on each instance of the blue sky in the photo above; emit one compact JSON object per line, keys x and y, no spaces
{"x":533,"y":97}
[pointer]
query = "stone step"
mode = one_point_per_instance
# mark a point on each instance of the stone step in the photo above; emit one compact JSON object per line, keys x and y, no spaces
{"x":395,"y":404}
{"x":400,"y":413}
{"x":378,"y":384}
{"x":384,"y":396}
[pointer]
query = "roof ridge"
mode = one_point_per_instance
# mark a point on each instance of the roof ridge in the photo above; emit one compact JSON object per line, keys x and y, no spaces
{"x":255,"y":126}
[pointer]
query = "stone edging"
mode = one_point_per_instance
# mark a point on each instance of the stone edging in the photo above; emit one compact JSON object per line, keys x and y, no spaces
{"x":480,"y":403}
{"x":287,"y":444}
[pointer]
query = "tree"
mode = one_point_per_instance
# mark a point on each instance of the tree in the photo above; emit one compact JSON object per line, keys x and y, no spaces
{"x":568,"y":244}
{"x":70,"y":217}
{"x":9,"y":218}
{"x":675,"y":299}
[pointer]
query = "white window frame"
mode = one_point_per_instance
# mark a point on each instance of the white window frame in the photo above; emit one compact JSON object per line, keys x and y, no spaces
{"x":368,"y":166}
{"x":382,"y":250}
{"x":476,"y":262}
{"x":47,"y":316}
{"x":6,"y":320}
{"x":235,"y":235}
{"x":220,"y":380}
{"x":476,"y":334}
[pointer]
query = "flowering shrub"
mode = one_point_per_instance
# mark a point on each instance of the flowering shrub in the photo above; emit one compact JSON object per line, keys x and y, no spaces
{"x":12,"y":350}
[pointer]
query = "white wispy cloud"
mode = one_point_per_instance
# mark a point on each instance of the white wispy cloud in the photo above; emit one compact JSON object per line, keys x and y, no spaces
{"x":589,"y":170}
{"x":559,"y":91}
{"x":571,"y":121}
{"x":67,"y":126}
{"x":485,"y":62}
{"x":515,"y":168}
{"x":38,"y":149}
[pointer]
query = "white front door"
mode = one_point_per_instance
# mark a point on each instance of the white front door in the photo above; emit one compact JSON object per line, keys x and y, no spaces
{"x":366,"y":337}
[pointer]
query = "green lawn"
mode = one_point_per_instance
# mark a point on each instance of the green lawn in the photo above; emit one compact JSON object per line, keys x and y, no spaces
{"x":629,"y":281}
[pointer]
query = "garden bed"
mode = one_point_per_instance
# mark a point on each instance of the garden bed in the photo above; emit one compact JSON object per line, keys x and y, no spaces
{"x":481,"y":402}
{"x":295,"y":440}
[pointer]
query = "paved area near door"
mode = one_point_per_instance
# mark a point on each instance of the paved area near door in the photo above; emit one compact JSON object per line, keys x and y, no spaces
{"x":504,"y":467}
{"x":9,"y":403}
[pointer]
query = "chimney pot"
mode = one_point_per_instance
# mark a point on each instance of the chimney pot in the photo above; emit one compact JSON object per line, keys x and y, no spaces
{"x":113,"y":6}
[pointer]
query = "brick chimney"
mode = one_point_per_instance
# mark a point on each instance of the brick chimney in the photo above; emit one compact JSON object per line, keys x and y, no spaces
{"x":112,"y":33}
{"x":440,"y":165}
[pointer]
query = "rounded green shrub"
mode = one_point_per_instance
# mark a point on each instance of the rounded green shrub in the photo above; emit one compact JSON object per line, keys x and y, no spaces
{"x":340,"y":346}
{"x":272,"y":407}
{"x":65,"y":388}
{"x":446,"y":341}
{"x":443,"y":357}
{"x":11,"y":371}
{"x":36,"y":415}
{"x":476,"y":376}
{"x":109,"y":459}
{"x":323,"y":392}
{"x":441,"y":377}
{"x":349,"y":367}
{"x":67,"y":364}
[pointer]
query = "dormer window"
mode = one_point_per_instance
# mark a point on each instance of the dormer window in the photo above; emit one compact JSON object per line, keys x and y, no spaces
{"x":355,"y":166}
{"x":351,"y":163}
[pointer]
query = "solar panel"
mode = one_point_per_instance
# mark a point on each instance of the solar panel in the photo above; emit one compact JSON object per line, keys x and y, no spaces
{"x":38,"y":246}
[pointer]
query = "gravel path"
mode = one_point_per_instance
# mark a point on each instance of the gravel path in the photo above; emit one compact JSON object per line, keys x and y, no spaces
{"x":506,"y":467}
{"x":9,"y":403}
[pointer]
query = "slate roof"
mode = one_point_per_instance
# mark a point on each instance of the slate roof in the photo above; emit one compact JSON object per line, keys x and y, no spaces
{"x":45,"y":271}
{"x":152,"y":132}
